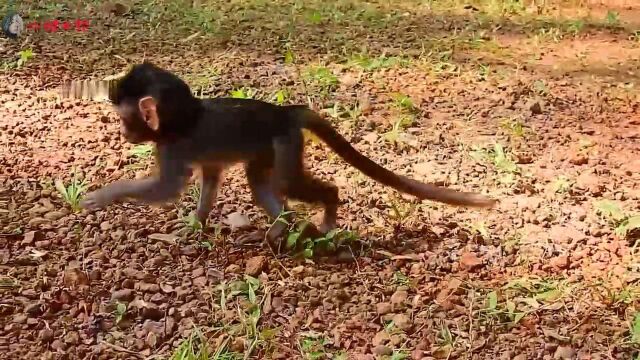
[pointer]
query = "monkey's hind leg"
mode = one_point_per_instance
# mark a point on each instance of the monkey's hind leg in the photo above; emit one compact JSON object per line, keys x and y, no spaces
{"x":296,"y":183}
{"x":259,"y":179}
{"x":312,"y":190}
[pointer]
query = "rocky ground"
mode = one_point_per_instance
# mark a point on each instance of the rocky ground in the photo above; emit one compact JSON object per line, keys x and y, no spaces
{"x":536,"y":107}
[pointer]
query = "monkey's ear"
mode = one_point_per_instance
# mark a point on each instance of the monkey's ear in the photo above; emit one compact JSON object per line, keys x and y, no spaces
{"x":149,"y":111}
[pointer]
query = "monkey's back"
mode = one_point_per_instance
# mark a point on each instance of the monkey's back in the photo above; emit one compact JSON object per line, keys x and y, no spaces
{"x":237,"y":128}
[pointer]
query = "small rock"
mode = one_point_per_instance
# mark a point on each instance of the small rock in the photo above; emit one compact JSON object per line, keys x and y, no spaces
{"x":382,"y":350}
{"x":399,"y":297}
{"x":147,"y":287}
{"x":168,"y":238}
{"x":587,"y":180}
{"x":348,"y":79}
{"x":524,"y":158}
{"x":380,"y":338}
{"x":37,"y":222}
{"x":370,"y":137}
{"x":402,"y":321}
{"x":125,"y":295}
{"x":383,"y":308}
{"x":54,"y":215}
{"x":470,"y":261}
{"x":151,"y":340}
{"x":72,"y":338}
{"x":255,"y":265}
{"x":31,"y":237}
{"x":238,"y":345}
{"x":106,"y":226}
{"x":156,"y":327}
{"x":579,"y":158}
{"x":560,"y":262}
{"x":535,"y":106}
{"x":46,"y":335}
{"x":189,"y":251}
{"x":197,"y":272}
{"x":151,"y":311}
{"x":166,"y":288}
{"x":237,"y":220}
{"x":232,"y":269}
{"x":19,"y":318}
{"x":44,"y":244}
{"x":58,"y":345}
{"x":75,"y":276}
{"x":564,"y":353}
{"x":95,"y":275}
{"x":34,"y":309}
{"x":200,"y":281}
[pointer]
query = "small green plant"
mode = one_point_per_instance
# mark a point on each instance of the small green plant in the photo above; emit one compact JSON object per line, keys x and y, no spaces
{"x":395,"y":135}
{"x":480,"y":228}
{"x":398,"y":355}
{"x":622,"y":222}
{"x":142,"y":151}
{"x":140,"y":154}
{"x":194,"y":192}
{"x":191,"y":224}
{"x":502,"y":161}
{"x":483,"y":72}
{"x":350,"y":112}
{"x":445,"y":341}
{"x":313,"y":347}
{"x":399,"y":278}
{"x":371,"y":64}
{"x":404,"y":103}
{"x":575,"y":26}
{"x":314,"y":17}
{"x":120,"y":311}
{"x":289,"y":56}
{"x":561,"y":184}
{"x":327,"y":243}
{"x":612,"y":18}
{"x":281,"y":96}
{"x":323,"y":77}
{"x":552,"y":33}
{"x":401,"y":211}
{"x":25,"y":56}
{"x":513,"y":125}
{"x":73,"y":192}
{"x":540,"y":87}
{"x":242,"y":93}
{"x":506,"y":311}
{"x":195,"y":347}
{"x":247,"y":287}
{"x":250,"y":313}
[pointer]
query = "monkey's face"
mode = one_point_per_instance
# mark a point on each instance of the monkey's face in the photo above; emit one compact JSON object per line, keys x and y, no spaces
{"x":132,"y":125}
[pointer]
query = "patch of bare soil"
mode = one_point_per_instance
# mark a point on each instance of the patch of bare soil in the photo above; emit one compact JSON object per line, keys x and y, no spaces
{"x":551,"y":273}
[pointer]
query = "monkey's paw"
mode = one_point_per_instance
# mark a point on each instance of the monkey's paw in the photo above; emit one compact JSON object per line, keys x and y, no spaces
{"x":95,"y":200}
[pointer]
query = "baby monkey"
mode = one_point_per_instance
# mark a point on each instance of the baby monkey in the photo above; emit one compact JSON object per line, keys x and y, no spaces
{"x":212,"y":134}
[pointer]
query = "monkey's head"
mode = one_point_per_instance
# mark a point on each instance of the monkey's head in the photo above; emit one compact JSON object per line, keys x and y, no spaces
{"x":154,"y":105}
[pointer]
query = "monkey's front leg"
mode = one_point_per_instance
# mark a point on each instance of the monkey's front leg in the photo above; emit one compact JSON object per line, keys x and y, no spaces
{"x":150,"y":190}
{"x":155,"y":189}
{"x":209,"y":184}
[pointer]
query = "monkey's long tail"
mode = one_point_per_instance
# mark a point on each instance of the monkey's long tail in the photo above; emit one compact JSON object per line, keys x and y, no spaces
{"x":323,"y":129}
